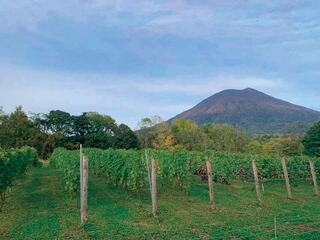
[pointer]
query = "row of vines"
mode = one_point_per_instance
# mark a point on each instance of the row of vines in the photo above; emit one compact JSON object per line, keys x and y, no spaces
{"x":128,"y":168}
{"x":13,"y":164}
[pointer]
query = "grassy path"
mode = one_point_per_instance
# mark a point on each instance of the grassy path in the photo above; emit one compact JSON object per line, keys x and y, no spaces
{"x":39,"y":208}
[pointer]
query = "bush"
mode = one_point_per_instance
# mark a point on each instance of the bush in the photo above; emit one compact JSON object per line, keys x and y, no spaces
{"x":13,"y":164}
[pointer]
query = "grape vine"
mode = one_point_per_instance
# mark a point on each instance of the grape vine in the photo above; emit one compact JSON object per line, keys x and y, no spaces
{"x":128,"y":168}
{"x":13,"y":164}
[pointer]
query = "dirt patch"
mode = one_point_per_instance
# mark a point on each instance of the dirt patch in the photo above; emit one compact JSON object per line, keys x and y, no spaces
{"x":43,"y":212}
{"x":200,"y":232}
{"x":45,"y":163}
{"x":143,"y":224}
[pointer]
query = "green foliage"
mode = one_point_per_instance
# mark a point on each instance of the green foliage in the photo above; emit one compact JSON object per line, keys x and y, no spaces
{"x":148,"y":128}
{"x":225,"y":138}
{"x":227,"y":167}
{"x":177,"y":167}
{"x":128,"y":168}
{"x":283,"y":146}
{"x":188,"y":135}
{"x":124,"y":168}
{"x":121,"y":167}
{"x":125,"y":138}
{"x":13,"y":164}
{"x":311,"y":141}
{"x":68,"y":164}
{"x":58,"y":122}
{"x":39,"y":209}
{"x":16,"y":130}
{"x":45,"y":132}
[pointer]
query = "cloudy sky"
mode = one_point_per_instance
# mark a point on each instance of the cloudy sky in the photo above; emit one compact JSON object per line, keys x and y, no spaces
{"x":136,"y":58}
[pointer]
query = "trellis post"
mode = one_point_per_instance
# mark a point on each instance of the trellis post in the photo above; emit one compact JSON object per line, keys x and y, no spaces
{"x":81,"y":178}
{"x":256,"y":178}
{"x":285,"y":173}
{"x":154,"y":186}
{"x":314,"y":177}
{"x":84,"y":191}
{"x":210,"y":182}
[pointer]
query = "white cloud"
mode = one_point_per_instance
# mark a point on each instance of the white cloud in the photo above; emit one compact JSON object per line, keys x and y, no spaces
{"x":174,"y":16}
{"x":125,"y":98}
{"x":197,"y":86}
{"x":42,"y":91}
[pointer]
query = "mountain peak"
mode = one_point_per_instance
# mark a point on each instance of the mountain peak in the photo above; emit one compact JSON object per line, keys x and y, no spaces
{"x":255,"y":111}
{"x":249,"y":90}
{"x":236,"y":92}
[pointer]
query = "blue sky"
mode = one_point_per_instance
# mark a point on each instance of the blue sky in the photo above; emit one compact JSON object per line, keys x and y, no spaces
{"x":132,"y":59}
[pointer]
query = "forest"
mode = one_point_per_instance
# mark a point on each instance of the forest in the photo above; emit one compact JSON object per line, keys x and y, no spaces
{"x":45,"y":132}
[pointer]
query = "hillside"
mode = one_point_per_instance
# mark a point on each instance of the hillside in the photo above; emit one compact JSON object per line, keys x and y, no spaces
{"x":256,"y":112}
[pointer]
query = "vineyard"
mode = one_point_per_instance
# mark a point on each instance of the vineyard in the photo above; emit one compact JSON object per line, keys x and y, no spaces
{"x":119,"y":201}
{"x":13,"y":165}
{"x":128,"y":168}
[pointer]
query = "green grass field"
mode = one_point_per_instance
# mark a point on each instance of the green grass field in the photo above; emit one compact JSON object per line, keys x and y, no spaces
{"x":39,"y":208}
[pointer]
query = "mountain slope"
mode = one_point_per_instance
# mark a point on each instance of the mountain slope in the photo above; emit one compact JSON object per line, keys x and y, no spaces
{"x":255,"y":111}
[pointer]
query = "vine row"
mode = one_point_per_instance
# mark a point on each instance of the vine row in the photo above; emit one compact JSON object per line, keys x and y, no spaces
{"x":13,"y":164}
{"x":128,"y":168}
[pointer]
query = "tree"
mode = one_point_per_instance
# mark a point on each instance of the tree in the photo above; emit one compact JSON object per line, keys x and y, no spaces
{"x":283,"y":146}
{"x":125,"y":138}
{"x":254,"y":147}
{"x":147,"y":128}
{"x":98,"y":140}
{"x":93,"y":130}
{"x":100,"y":123}
{"x":164,"y":138}
{"x":58,"y":122}
{"x":311,"y":141}
{"x":225,"y":138}
{"x":188,"y":135}
{"x":2,"y":115}
{"x":16,"y":130}
{"x":80,"y":126}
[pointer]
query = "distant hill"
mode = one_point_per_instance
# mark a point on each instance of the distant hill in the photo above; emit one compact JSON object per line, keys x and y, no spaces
{"x":256,"y":112}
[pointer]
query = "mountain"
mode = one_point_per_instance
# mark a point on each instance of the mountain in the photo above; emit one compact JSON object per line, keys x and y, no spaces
{"x":256,"y":112}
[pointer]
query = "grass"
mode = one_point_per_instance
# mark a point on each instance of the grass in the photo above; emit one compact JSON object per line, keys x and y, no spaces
{"x":39,"y":208}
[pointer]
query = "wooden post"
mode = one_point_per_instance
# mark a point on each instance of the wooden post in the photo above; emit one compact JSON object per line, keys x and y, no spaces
{"x":285,"y":173}
{"x":148,"y":168}
{"x":84,"y":193}
{"x":154,"y":186}
{"x":210,"y":182}
{"x":81,"y":178}
{"x":256,"y":178}
{"x":314,"y":177}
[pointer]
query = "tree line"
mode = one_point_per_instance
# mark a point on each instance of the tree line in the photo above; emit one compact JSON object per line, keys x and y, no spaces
{"x":186,"y":134}
{"x":45,"y":132}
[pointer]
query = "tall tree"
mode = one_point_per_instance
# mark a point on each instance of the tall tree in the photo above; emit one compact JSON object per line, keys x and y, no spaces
{"x":225,"y":138}
{"x":16,"y":130}
{"x":100,"y":123}
{"x":163,"y":137}
{"x":147,"y":128}
{"x":311,"y":141}
{"x":188,"y":135}
{"x":125,"y":138}
{"x":58,"y":122}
